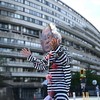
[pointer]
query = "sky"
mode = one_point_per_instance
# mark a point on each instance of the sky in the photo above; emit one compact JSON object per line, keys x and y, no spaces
{"x":89,"y":9}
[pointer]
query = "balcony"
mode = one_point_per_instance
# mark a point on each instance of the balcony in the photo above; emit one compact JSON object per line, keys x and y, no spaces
{"x":18,"y":64}
{"x":83,"y":35}
{"x":19,"y":45}
{"x":85,"y":58}
{"x":95,"y":67}
{"x":8,"y":8}
{"x":23,"y":84}
{"x":10,"y":54}
{"x":5,"y":74}
{"x":29,"y":74}
{"x":78,"y":28}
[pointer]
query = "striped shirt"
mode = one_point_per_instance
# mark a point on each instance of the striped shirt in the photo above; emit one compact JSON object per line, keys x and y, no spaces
{"x":61,"y":76}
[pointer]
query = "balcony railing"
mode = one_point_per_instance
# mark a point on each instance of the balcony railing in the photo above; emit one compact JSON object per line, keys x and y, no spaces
{"x":19,"y":45}
{"x":18,"y":64}
{"x":30,"y":74}
{"x":8,"y":8}
{"x":5,"y":74}
{"x":24,"y":84}
{"x":85,"y":58}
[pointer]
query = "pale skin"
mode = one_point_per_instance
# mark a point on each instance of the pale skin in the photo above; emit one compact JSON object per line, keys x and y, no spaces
{"x":26,"y":52}
{"x":54,"y":43}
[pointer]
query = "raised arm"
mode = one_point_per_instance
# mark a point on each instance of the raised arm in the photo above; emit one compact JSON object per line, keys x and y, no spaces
{"x":26,"y":52}
{"x":39,"y":64}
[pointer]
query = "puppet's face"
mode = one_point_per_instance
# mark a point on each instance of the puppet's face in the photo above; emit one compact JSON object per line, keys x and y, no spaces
{"x":46,"y":37}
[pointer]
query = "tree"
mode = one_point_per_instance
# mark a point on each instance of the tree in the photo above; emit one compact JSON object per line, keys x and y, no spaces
{"x":92,"y":76}
{"x":75,"y":81}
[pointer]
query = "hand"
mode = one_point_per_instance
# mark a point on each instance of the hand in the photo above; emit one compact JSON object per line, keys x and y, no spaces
{"x":49,"y":55}
{"x":49,"y":78}
{"x":26,"y":52}
{"x":54,"y":43}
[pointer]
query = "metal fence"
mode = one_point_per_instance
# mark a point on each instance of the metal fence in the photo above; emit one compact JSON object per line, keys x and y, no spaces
{"x":6,"y":93}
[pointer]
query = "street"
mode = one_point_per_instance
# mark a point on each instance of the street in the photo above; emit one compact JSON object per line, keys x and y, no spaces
{"x":88,"y":98}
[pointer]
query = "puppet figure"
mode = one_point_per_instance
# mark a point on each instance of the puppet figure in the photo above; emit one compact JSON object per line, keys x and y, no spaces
{"x":56,"y":61}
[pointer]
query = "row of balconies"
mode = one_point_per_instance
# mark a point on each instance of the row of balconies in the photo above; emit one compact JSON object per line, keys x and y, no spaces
{"x":75,"y":55}
{"x":30,"y":65}
{"x":8,"y":8}
{"x":88,"y":39}
{"x":82,"y":34}
{"x":63,"y":35}
{"x":5,"y":44}
{"x":25,"y":84}
{"x":2,"y":43}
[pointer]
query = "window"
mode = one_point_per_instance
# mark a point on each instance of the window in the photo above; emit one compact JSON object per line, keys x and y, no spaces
{"x":5,"y":40}
{"x":12,"y":40}
{"x":26,"y":10}
{"x":19,"y":8}
{"x":21,"y":1}
{"x":17,"y":16}
{"x":27,"y":43}
{"x":27,"y":2}
{"x":4,"y":13}
{"x":20,"y":42}
{"x":10,"y":14}
{"x":4,"y":25}
{"x":27,"y":18}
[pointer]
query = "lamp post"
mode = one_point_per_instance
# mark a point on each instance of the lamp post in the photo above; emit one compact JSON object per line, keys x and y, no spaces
{"x":83,"y":80}
{"x":94,"y":82}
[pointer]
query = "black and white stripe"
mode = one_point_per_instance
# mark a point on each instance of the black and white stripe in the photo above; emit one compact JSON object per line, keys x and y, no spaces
{"x":61,"y":77}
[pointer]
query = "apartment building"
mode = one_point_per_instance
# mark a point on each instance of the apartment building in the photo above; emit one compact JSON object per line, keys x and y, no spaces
{"x":21,"y":22}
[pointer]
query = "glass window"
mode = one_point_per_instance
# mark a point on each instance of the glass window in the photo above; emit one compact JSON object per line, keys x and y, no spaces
{"x":27,"y":18}
{"x":5,"y":40}
{"x":17,"y":16}
{"x":12,"y":40}
{"x":27,"y":10}
{"x":32,"y":44}
{"x":10,"y":14}
{"x":24,"y":29}
{"x":37,"y":6}
{"x":4,"y":13}
{"x":36,"y":21}
{"x":20,"y":42}
{"x":3,"y":3}
{"x":19,"y":8}
{"x":44,"y":24}
{"x":3,"y":25}
{"x":27,"y":2}
{"x":27,"y":43}
{"x":50,"y":5}
{"x":1,"y":39}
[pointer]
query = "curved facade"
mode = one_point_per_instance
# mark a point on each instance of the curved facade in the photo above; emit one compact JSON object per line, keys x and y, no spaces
{"x":21,"y":21}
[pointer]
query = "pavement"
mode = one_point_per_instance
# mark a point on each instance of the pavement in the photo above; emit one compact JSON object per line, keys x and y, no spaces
{"x":87,"y":98}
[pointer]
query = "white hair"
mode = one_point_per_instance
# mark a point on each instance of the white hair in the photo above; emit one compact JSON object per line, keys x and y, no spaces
{"x":57,"y":35}
{"x":55,"y":32}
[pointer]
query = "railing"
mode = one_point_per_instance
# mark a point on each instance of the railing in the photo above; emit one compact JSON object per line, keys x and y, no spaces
{"x":8,"y":8}
{"x":5,"y":74}
{"x":30,"y":74}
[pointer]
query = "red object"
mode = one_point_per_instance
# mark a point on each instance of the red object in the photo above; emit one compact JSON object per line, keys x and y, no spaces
{"x":48,"y":56}
{"x":54,"y":66}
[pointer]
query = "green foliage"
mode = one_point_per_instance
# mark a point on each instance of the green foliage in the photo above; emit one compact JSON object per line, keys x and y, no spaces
{"x":91,"y":76}
{"x":75,"y":81}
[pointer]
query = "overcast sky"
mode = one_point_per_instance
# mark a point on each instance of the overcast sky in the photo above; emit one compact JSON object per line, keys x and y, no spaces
{"x":90,"y":9}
